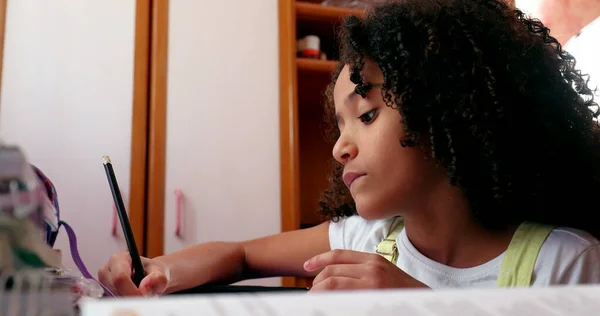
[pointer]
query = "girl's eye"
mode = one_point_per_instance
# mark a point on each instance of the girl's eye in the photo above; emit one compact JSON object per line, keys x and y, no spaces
{"x":368,"y":117}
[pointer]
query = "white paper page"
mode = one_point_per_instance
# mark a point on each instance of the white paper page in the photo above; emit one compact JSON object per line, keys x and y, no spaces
{"x":572,"y":301}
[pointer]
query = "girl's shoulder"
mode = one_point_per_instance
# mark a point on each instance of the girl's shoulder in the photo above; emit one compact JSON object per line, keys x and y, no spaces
{"x":568,"y":256}
{"x":570,"y":242}
{"x":571,"y":237}
{"x":357,"y":233}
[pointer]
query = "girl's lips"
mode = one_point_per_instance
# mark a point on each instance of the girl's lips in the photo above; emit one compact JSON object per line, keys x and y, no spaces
{"x":349,"y":177}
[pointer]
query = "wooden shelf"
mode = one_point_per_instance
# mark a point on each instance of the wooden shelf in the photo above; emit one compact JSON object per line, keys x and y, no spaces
{"x":306,"y":156}
{"x":314,"y":11}
{"x":315,"y":65}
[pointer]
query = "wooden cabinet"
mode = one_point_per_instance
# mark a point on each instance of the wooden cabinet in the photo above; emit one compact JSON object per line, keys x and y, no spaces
{"x":232,"y":130}
{"x":202,"y":98}
{"x":221,"y":137}
{"x":305,"y":156}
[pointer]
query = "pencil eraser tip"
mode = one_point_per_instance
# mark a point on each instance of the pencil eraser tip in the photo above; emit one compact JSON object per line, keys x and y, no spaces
{"x":105,"y":159}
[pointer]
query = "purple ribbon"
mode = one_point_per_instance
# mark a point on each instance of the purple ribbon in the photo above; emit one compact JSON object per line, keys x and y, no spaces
{"x":77,"y":258}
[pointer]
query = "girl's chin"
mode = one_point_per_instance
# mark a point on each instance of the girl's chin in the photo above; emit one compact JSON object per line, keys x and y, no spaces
{"x":369,"y":213}
{"x":372,"y":209}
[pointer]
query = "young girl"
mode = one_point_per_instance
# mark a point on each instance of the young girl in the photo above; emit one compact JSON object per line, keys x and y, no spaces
{"x":466,"y":155}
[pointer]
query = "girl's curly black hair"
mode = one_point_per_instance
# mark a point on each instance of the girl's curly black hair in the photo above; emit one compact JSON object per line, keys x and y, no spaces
{"x":495,"y":98}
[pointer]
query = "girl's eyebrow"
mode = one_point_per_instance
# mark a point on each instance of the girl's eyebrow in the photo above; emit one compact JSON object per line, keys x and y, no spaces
{"x":361,"y":89}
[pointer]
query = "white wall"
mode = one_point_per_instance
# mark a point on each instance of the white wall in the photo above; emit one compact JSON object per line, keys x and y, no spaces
{"x":67,"y":100}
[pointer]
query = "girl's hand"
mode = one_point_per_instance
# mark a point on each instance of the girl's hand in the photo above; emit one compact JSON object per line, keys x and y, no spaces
{"x":116,"y":275}
{"x":350,"y":270}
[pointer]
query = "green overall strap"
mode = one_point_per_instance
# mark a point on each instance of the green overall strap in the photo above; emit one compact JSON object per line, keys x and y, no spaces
{"x":520,"y":257}
{"x":387,"y":247}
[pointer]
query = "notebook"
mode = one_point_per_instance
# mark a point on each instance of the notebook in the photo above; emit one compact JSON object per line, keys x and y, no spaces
{"x":552,"y":301}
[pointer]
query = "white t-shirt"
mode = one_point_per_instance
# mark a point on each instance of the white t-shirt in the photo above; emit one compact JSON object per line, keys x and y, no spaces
{"x":568,"y":256}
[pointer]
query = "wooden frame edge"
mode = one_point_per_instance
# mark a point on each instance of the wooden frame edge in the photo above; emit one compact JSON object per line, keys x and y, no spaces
{"x":288,"y":127}
{"x":157,"y":128}
{"x":139,"y":128}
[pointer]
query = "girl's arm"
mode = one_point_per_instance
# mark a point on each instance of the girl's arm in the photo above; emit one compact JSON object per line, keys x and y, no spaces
{"x":227,"y":262}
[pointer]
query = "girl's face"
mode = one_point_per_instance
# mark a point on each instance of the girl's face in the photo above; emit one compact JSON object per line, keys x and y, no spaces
{"x":384,"y":178}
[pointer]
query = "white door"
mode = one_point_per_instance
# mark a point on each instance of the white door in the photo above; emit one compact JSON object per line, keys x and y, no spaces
{"x":67,"y":100}
{"x":222,"y":148}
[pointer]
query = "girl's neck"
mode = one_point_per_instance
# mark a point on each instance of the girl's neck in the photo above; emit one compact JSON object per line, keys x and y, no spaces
{"x":443,"y":229}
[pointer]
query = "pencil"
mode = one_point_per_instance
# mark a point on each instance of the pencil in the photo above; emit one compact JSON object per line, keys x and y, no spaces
{"x":136,"y":261}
